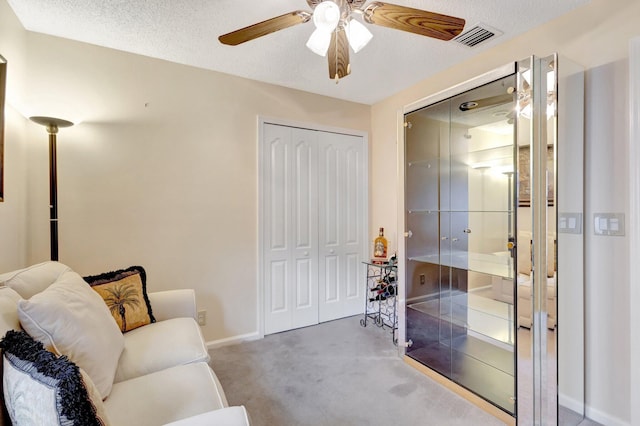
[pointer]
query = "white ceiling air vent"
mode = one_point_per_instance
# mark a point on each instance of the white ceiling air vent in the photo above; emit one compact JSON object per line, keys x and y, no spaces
{"x":476,"y":34}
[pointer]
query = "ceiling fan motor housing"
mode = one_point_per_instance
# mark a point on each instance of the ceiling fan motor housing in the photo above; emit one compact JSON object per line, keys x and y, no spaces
{"x":344,"y":6}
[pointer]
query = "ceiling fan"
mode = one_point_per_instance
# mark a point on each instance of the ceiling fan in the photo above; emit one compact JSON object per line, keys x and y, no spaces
{"x":337,"y":27}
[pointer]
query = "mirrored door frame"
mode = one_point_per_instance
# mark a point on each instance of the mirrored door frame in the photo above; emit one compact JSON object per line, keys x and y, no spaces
{"x":542,"y":405}
{"x":634,"y":213}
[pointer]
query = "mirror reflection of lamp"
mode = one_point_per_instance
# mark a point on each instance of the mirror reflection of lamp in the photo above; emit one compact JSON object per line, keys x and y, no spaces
{"x":52,"y":125}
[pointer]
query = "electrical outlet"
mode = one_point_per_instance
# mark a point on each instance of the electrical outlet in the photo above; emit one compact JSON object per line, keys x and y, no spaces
{"x":422,"y":279}
{"x":202,"y":317}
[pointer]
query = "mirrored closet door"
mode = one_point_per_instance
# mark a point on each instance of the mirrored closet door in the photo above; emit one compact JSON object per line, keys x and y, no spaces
{"x":487,"y":275}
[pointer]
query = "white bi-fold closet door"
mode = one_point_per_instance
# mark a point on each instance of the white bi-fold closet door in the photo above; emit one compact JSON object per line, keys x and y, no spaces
{"x":313,"y":225}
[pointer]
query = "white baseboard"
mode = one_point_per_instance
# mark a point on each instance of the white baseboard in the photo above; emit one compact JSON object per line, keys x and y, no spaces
{"x":233,"y":340}
{"x":570,"y":403}
{"x":604,"y":418}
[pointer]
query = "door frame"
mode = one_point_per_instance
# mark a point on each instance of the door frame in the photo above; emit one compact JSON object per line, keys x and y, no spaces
{"x":262,"y":120}
{"x":634,"y":216}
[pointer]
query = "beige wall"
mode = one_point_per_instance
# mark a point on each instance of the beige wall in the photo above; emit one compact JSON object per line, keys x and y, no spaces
{"x":162,"y":172}
{"x":595,"y":36}
{"x":13,"y":211}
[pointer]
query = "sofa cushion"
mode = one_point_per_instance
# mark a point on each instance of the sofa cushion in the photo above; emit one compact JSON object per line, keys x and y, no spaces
{"x":225,"y":416}
{"x":125,"y":293}
{"x":40,"y":388}
{"x":165,"y":396}
{"x":34,"y":279}
{"x":8,"y":310}
{"x":73,"y":320}
{"x":161,"y":345}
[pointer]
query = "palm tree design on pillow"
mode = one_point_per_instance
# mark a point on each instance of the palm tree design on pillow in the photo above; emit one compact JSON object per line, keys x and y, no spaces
{"x":120,"y":297}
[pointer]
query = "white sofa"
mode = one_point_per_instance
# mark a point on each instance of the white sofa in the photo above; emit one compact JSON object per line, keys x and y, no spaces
{"x":162,"y":374}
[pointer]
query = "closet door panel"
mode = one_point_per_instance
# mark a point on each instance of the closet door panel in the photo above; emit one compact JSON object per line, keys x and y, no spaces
{"x":313,"y":226}
{"x":290,"y":206}
{"x":331,"y":281}
{"x":333,"y":196}
{"x":352,"y":266}
{"x":278,"y":294}
{"x":341,"y":233}
{"x":304,"y":287}
{"x":305,"y":225}
{"x":277,"y":252}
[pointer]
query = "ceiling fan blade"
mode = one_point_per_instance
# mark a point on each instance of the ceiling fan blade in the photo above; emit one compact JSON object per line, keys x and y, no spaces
{"x":415,"y":21}
{"x":338,"y":55}
{"x":265,"y":27}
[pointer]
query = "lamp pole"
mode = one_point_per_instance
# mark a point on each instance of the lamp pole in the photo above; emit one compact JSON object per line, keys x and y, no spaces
{"x":52,"y":125}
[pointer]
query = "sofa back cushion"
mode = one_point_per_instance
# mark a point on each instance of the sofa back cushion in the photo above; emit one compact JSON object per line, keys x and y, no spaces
{"x":73,"y":320}
{"x":34,"y":279}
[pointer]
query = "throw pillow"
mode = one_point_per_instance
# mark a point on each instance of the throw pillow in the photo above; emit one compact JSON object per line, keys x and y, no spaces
{"x":125,"y":293}
{"x":73,"y":320}
{"x":34,"y":279}
{"x":40,"y":388}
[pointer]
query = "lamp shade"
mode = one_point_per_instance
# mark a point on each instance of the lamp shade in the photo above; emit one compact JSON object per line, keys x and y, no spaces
{"x":319,"y":42}
{"x":358,"y":35}
{"x":326,"y":16}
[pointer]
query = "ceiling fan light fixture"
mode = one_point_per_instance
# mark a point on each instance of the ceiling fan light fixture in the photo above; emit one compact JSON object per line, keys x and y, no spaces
{"x":326,"y":16}
{"x":319,"y":42}
{"x":358,"y":35}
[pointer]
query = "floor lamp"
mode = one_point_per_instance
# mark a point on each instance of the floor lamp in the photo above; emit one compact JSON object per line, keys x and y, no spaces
{"x":52,"y":125}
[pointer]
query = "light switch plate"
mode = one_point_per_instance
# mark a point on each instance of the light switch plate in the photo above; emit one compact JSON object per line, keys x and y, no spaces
{"x":570,"y":223}
{"x":608,"y":224}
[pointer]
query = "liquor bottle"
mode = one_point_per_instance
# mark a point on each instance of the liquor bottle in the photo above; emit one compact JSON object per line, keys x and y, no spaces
{"x":380,"y":246}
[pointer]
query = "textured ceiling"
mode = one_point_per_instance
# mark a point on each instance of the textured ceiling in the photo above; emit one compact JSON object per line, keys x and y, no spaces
{"x":186,"y":32}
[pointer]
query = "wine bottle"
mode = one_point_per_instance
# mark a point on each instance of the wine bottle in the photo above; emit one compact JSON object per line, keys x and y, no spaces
{"x":380,"y":246}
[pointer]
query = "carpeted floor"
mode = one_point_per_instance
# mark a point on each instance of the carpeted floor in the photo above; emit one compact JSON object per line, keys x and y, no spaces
{"x":338,"y":374}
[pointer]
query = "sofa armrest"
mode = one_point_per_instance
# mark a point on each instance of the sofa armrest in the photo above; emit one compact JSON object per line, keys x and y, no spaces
{"x":173,"y":304}
{"x":230,"y":416}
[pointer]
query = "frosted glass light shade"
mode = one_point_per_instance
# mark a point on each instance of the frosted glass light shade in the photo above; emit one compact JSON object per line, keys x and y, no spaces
{"x":326,"y":16}
{"x":358,"y":35}
{"x":319,"y":42}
